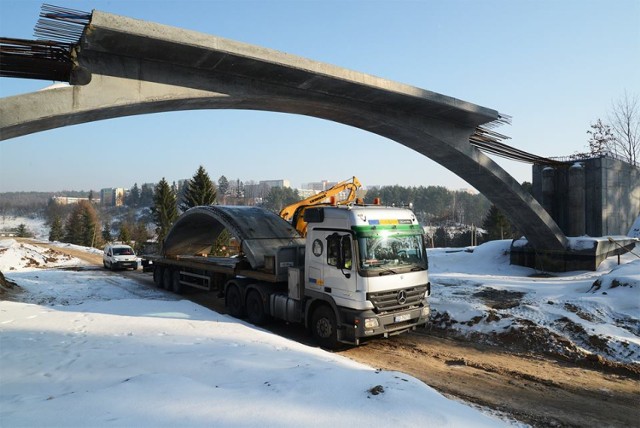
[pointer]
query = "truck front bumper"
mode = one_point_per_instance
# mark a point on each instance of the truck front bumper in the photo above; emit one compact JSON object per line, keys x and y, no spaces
{"x":358,"y":325}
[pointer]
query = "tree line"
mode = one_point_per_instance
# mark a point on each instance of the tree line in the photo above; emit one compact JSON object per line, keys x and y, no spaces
{"x":454,"y":216}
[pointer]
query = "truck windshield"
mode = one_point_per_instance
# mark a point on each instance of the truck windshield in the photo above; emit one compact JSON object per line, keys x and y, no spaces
{"x":391,"y":252}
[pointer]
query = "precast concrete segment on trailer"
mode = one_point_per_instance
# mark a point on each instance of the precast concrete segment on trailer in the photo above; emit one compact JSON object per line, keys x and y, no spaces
{"x":137,"y":67}
{"x":259,"y":231}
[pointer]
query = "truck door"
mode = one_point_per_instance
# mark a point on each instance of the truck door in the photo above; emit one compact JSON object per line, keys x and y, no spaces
{"x":339,"y":274}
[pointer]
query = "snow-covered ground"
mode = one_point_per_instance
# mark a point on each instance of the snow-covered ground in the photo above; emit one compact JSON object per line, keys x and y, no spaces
{"x":35,"y":225}
{"x":481,"y":296}
{"x":84,"y":347}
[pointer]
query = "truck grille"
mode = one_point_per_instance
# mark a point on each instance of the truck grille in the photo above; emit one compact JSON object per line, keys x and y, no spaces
{"x":388,"y":301}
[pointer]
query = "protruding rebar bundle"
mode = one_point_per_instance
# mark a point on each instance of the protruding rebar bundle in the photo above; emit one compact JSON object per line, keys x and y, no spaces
{"x":49,"y":57}
{"x":60,"y":24}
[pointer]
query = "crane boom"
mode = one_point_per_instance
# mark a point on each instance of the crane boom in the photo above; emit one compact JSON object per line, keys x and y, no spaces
{"x":295,"y":211}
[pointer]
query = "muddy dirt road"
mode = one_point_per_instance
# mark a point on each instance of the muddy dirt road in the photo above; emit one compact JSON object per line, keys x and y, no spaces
{"x":538,"y":390}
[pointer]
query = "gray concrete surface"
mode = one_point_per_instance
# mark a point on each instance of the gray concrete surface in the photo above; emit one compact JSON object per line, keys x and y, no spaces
{"x":139,"y":67}
{"x":608,"y":201}
{"x":260,"y":232}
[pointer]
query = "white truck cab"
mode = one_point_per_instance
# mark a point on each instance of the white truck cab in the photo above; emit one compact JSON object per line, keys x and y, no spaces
{"x":119,"y":256}
{"x":370,"y":264}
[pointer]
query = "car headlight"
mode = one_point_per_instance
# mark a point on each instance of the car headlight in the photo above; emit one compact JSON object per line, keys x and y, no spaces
{"x":371,"y":323}
{"x":425,"y":311}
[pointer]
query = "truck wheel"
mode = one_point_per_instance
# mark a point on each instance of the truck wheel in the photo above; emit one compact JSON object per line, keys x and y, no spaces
{"x":255,"y":309}
{"x":234,"y":302}
{"x":157,"y":276}
{"x":176,"y":287}
{"x":166,"y":279}
{"x":324,"y":327}
{"x":104,"y":264}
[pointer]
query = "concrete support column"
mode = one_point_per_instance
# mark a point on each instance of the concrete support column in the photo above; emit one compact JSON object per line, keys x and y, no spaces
{"x":548,"y":189}
{"x":576,"y":200}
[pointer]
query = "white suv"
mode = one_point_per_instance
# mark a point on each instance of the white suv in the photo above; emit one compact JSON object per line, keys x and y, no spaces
{"x":119,"y":256}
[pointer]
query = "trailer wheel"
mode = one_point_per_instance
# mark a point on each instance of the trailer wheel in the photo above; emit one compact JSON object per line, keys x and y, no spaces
{"x":255,"y":308}
{"x":166,"y":279}
{"x":234,"y":302}
{"x":157,"y":275}
{"x":324,"y":327}
{"x":176,"y":287}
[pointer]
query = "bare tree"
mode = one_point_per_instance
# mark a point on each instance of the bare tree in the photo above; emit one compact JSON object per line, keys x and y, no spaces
{"x":625,"y":124}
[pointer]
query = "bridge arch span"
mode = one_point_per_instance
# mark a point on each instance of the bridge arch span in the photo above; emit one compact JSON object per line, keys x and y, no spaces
{"x":139,"y":68}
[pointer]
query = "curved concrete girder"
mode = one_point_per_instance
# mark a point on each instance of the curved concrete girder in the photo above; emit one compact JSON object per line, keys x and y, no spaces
{"x":138,"y":70}
{"x":445,"y":143}
{"x":259,"y":231}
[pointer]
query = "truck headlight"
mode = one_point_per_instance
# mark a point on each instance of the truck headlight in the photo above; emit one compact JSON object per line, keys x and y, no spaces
{"x":425,"y":311}
{"x":371,"y":323}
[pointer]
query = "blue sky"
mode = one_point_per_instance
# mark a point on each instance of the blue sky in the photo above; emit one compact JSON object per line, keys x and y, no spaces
{"x":555,"y":66}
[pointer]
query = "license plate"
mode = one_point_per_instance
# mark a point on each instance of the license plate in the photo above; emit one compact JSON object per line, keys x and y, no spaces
{"x":401,"y":318}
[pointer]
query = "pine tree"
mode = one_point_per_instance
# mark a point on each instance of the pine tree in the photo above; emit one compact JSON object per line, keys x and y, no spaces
{"x":221,"y":244}
{"x":125,"y":234}
{"x":73,"y":226}
{"x":146,"y":196}
{"x":601,"y":138}
{"x":133,"y":199}
{"x":55,"y":233}
{"x":164,"y":209}
{"x":200,"y":191}
{"x":440,"y":237}
{"x":106,"y":232}
{"x":239,"y":189}
{"x":82,"y":225}
{"x":90,"y":225}
{"x":496,"y":225}
{"x":223,"y":187}
{"x":23,"y":232}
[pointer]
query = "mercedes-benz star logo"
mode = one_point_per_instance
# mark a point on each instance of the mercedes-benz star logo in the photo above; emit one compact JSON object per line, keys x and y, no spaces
{"x":402,"y":297}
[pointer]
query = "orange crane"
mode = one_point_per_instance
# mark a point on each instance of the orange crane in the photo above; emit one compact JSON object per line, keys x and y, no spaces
{"x":295,"y":212}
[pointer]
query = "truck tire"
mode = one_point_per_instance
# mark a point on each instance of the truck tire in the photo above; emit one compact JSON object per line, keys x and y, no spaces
{"x":167,"y":276}
{"x":176,"y":287}
{"x":324,"y":327}
{"x":255,"y":308}
{"x":158,"y":272}
{"x":234,"y":302}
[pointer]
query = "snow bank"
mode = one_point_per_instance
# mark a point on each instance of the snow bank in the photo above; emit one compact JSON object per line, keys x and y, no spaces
{"x":24,"y":256}
{"x":481,"y":296}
